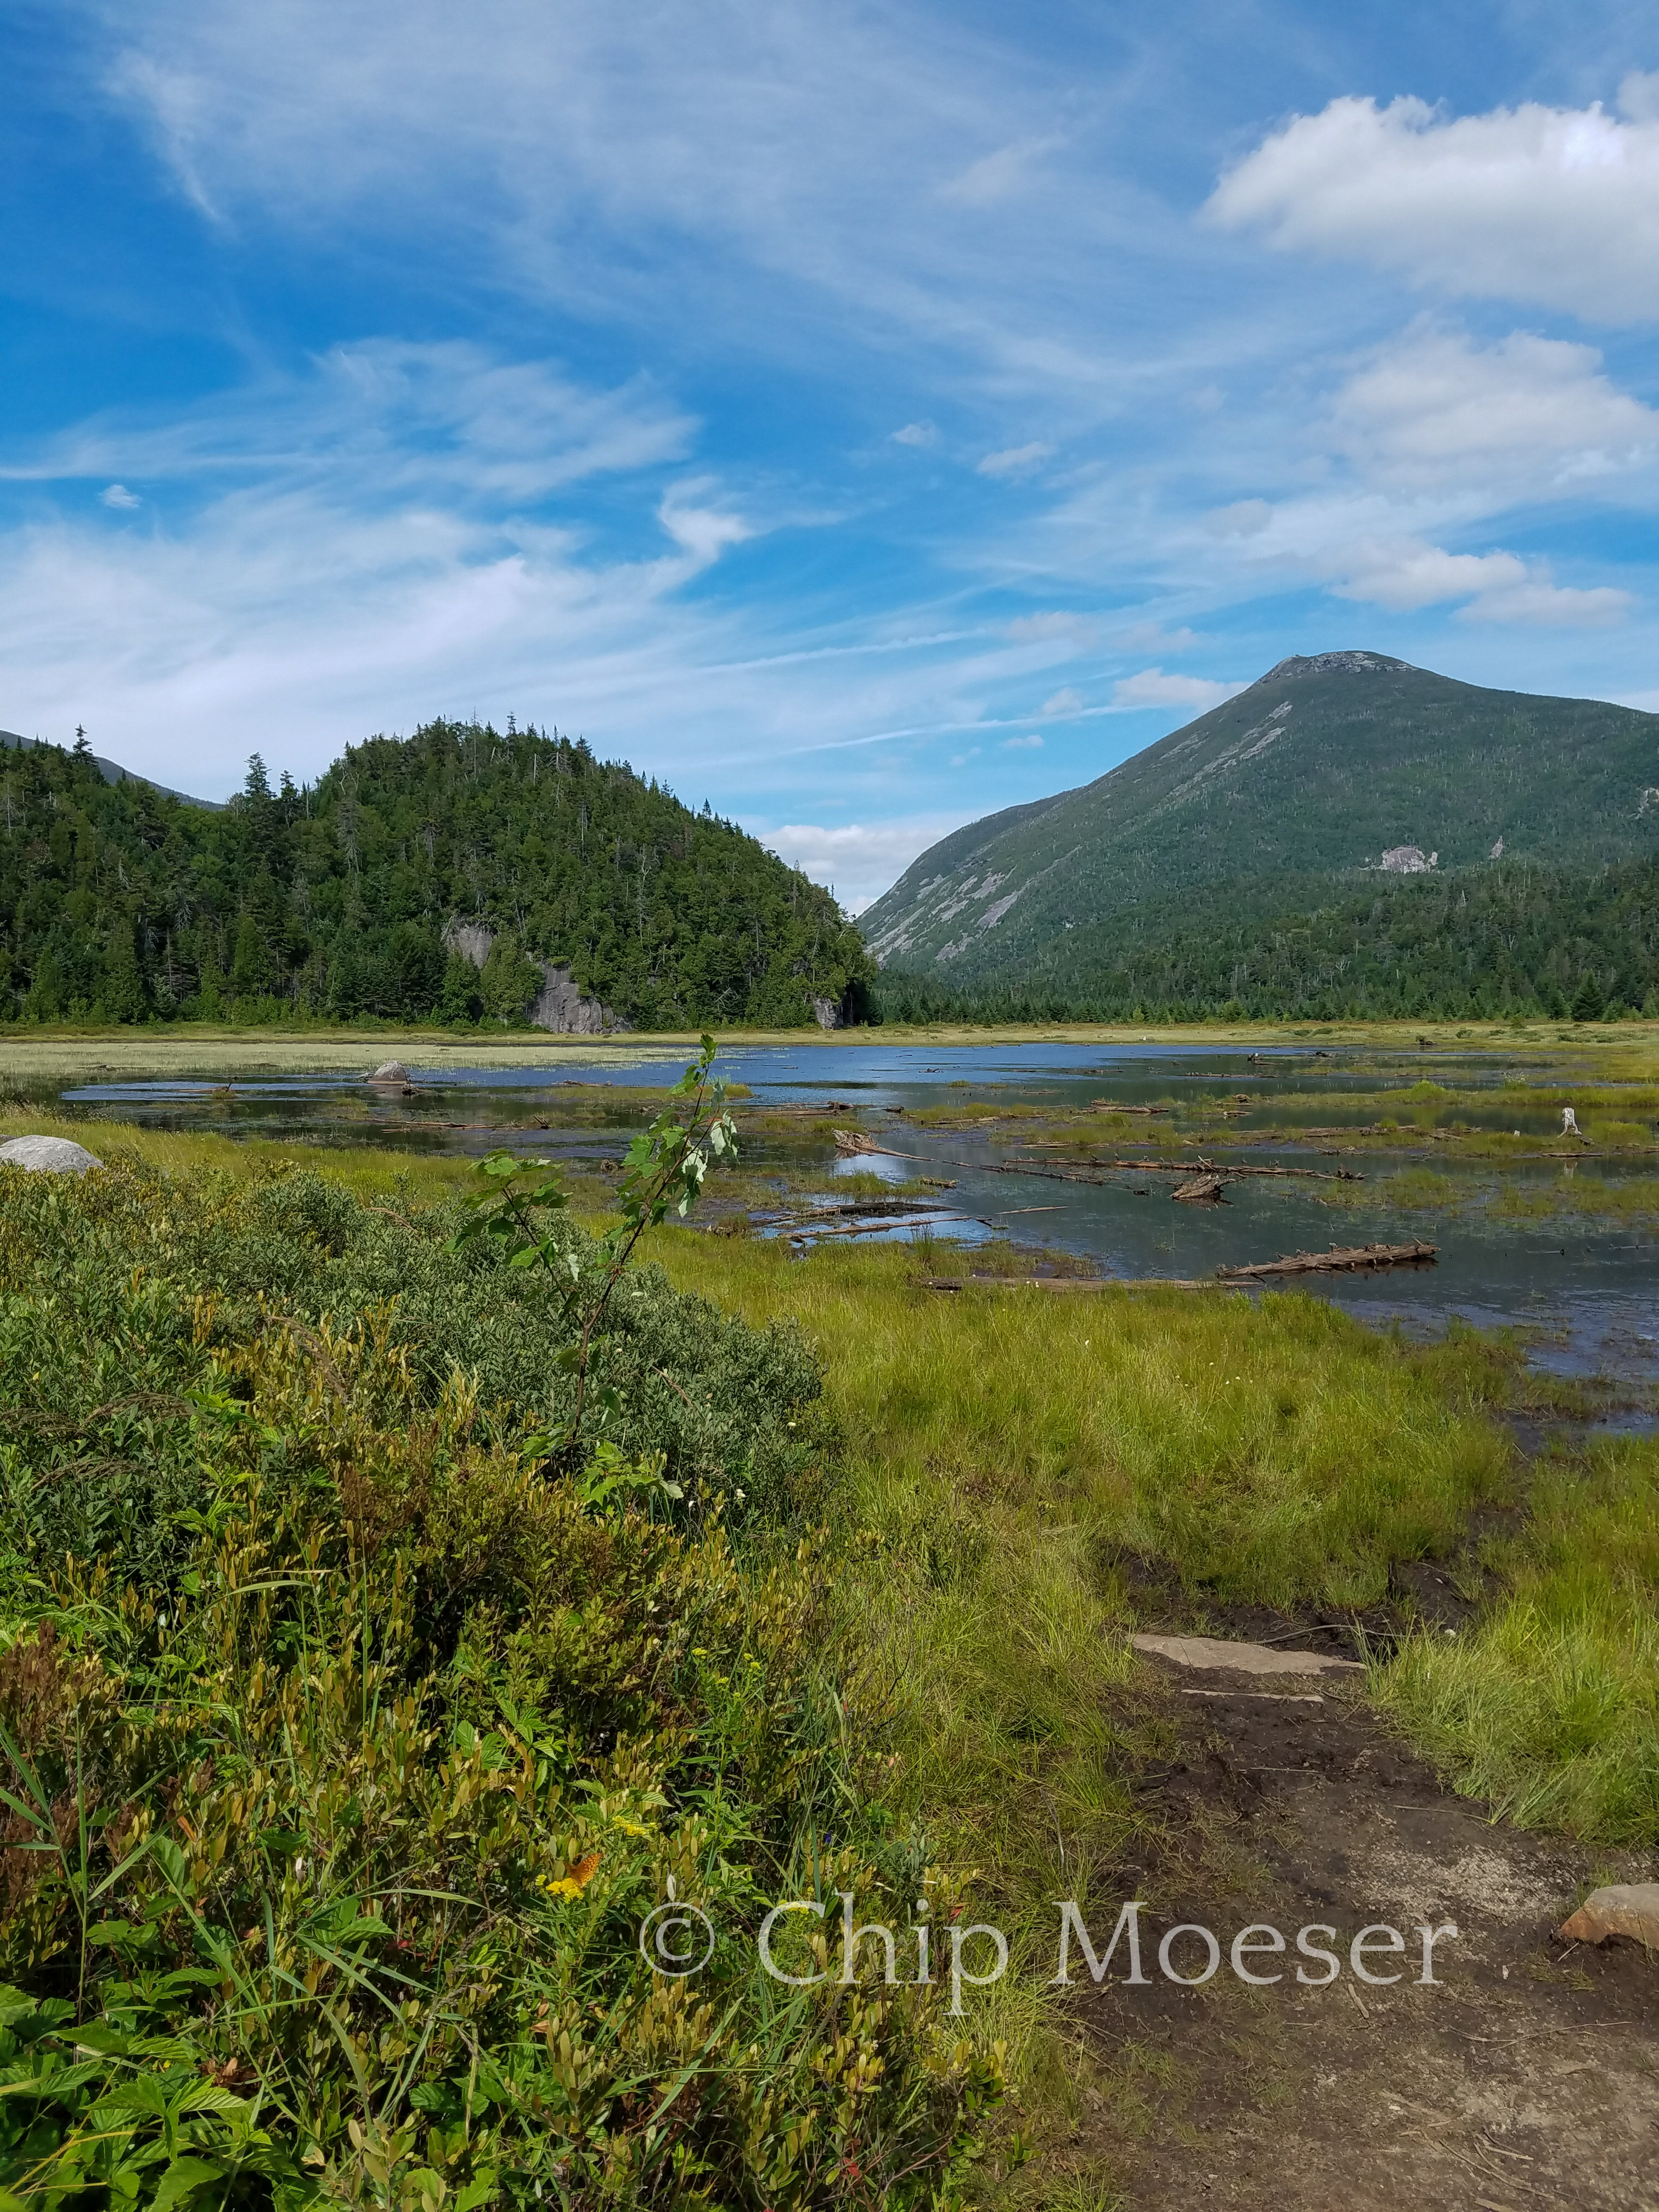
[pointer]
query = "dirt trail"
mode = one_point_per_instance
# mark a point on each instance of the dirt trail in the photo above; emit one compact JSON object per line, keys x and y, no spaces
{"x":1529,"y":2078}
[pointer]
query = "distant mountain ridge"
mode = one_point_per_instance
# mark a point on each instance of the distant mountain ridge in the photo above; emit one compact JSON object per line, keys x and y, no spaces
{"x":1289,"y":795}
{"x":113,"y":772}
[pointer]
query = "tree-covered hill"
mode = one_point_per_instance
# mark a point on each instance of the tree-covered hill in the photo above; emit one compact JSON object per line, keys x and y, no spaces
{"x":1504,"y":939}
{"x":1286,"y":797}
{"x":436,"y":876}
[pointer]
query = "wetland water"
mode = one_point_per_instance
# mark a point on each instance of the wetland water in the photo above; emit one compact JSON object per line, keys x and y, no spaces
{"x":1516,"y":1242}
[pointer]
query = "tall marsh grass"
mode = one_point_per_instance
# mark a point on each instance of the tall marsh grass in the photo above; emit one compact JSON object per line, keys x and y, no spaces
{"x":1549,"y":1706}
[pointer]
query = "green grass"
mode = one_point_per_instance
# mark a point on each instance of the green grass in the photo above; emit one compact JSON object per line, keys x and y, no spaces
{"x":1550,"y":1706}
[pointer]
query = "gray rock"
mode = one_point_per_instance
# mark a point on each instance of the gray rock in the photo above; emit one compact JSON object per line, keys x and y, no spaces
{"x":389,"y":1071}
{"x":48,"y":1156}
{"x":1624,"y":1908}
{"x":561,"y":1007}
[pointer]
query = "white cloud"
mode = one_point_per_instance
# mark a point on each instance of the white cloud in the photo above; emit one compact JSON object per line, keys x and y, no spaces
{"x":705,"y":532}
{"x":117,"y":494}
{"x":1016,"y":460}
{"x":916,"y":433}
{"x":1404,"y":574}
{"x":1031,"y":744}
{"x":1550,"y":606}
{"x":1556,"y":206}
{"x":1079,"y":631}
{"x":859,"y":860}
{"x":961,"y":760}
{"x":1151,"y":687}
{"x":1245,"y":517}
{"x":1064,"y":703}
{"x":1433,"y":409}
{"x":1152,"y":637}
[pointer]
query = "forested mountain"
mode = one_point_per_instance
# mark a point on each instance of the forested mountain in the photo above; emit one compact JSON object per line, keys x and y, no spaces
{"x":443,"y":876}
{"x":1299,"y":796}
{"x":1505,"y":939}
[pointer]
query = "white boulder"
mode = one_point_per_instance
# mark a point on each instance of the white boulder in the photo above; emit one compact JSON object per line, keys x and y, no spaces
{"x":48,"y":1156}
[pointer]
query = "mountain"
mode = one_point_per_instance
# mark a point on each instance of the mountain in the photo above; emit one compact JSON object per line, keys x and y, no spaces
{"x":463,"y":874}
{"x":1324,"y":783}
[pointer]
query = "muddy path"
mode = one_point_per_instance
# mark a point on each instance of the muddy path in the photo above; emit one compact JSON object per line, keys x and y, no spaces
{"x":1526,"y":2076}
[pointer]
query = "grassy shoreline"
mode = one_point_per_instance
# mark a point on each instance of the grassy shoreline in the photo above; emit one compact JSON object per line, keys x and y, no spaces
{"x":159,"y":1048}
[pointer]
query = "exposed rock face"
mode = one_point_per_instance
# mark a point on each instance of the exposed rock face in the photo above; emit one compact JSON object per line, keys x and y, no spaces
{"x":1332,"y":663}
{"x":1408,"y":860}
{"x":827,"y":1013}
{"x":559,"y":1006}
{"x":472,"y":939}
{"x":48,"y":1156}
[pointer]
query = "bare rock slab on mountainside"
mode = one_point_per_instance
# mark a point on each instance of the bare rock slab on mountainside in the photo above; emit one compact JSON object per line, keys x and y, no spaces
{"x":1220,"y":1652}
{"x":1626,"y":1908}
{"x":48,"y":1156}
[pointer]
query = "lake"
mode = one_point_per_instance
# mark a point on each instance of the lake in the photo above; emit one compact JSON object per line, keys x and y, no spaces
{"x":1589,"y":1285}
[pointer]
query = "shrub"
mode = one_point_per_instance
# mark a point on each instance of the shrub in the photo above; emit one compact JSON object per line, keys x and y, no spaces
{"x":346,"y":1739}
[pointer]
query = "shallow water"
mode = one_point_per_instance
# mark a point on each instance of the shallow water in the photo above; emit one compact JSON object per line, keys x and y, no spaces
{"x":1591,"y":1287}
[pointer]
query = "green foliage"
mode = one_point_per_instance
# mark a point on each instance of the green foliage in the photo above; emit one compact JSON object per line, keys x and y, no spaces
{"x":343,"y":899}
{"x":663,"y":1166}
{"x":345,"y":1744}
{"x":1505,"y":940}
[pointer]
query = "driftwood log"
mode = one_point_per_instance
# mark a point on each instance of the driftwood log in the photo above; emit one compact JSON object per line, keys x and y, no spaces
{"x":1203,"y":1190}
{"x":1339,"y":1261}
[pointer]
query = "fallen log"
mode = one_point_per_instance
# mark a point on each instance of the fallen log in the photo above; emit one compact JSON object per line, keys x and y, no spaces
{"x":1117,"y":1106}
{"x":1340,"y":1260}
{"x":1061,"y":1171}
{"x":851,"y":1142}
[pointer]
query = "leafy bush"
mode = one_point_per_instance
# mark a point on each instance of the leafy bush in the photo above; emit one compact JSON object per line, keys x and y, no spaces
{"x":346,"y":1739}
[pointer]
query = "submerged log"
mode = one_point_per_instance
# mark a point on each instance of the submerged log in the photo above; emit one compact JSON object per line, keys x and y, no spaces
{"x":1340,"y":1260}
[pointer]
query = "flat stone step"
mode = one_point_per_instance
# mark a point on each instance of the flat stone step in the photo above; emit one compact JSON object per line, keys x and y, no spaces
{"x":1208,"y":1652}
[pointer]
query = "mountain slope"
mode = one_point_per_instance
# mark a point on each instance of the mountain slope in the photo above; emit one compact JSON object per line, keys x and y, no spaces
{"x":461,"y":874}
{"x":1287,"y":796}
{"x":111,"y":771}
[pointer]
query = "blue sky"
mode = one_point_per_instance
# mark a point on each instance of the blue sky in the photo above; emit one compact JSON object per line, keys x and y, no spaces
{"x":861,"y":417}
